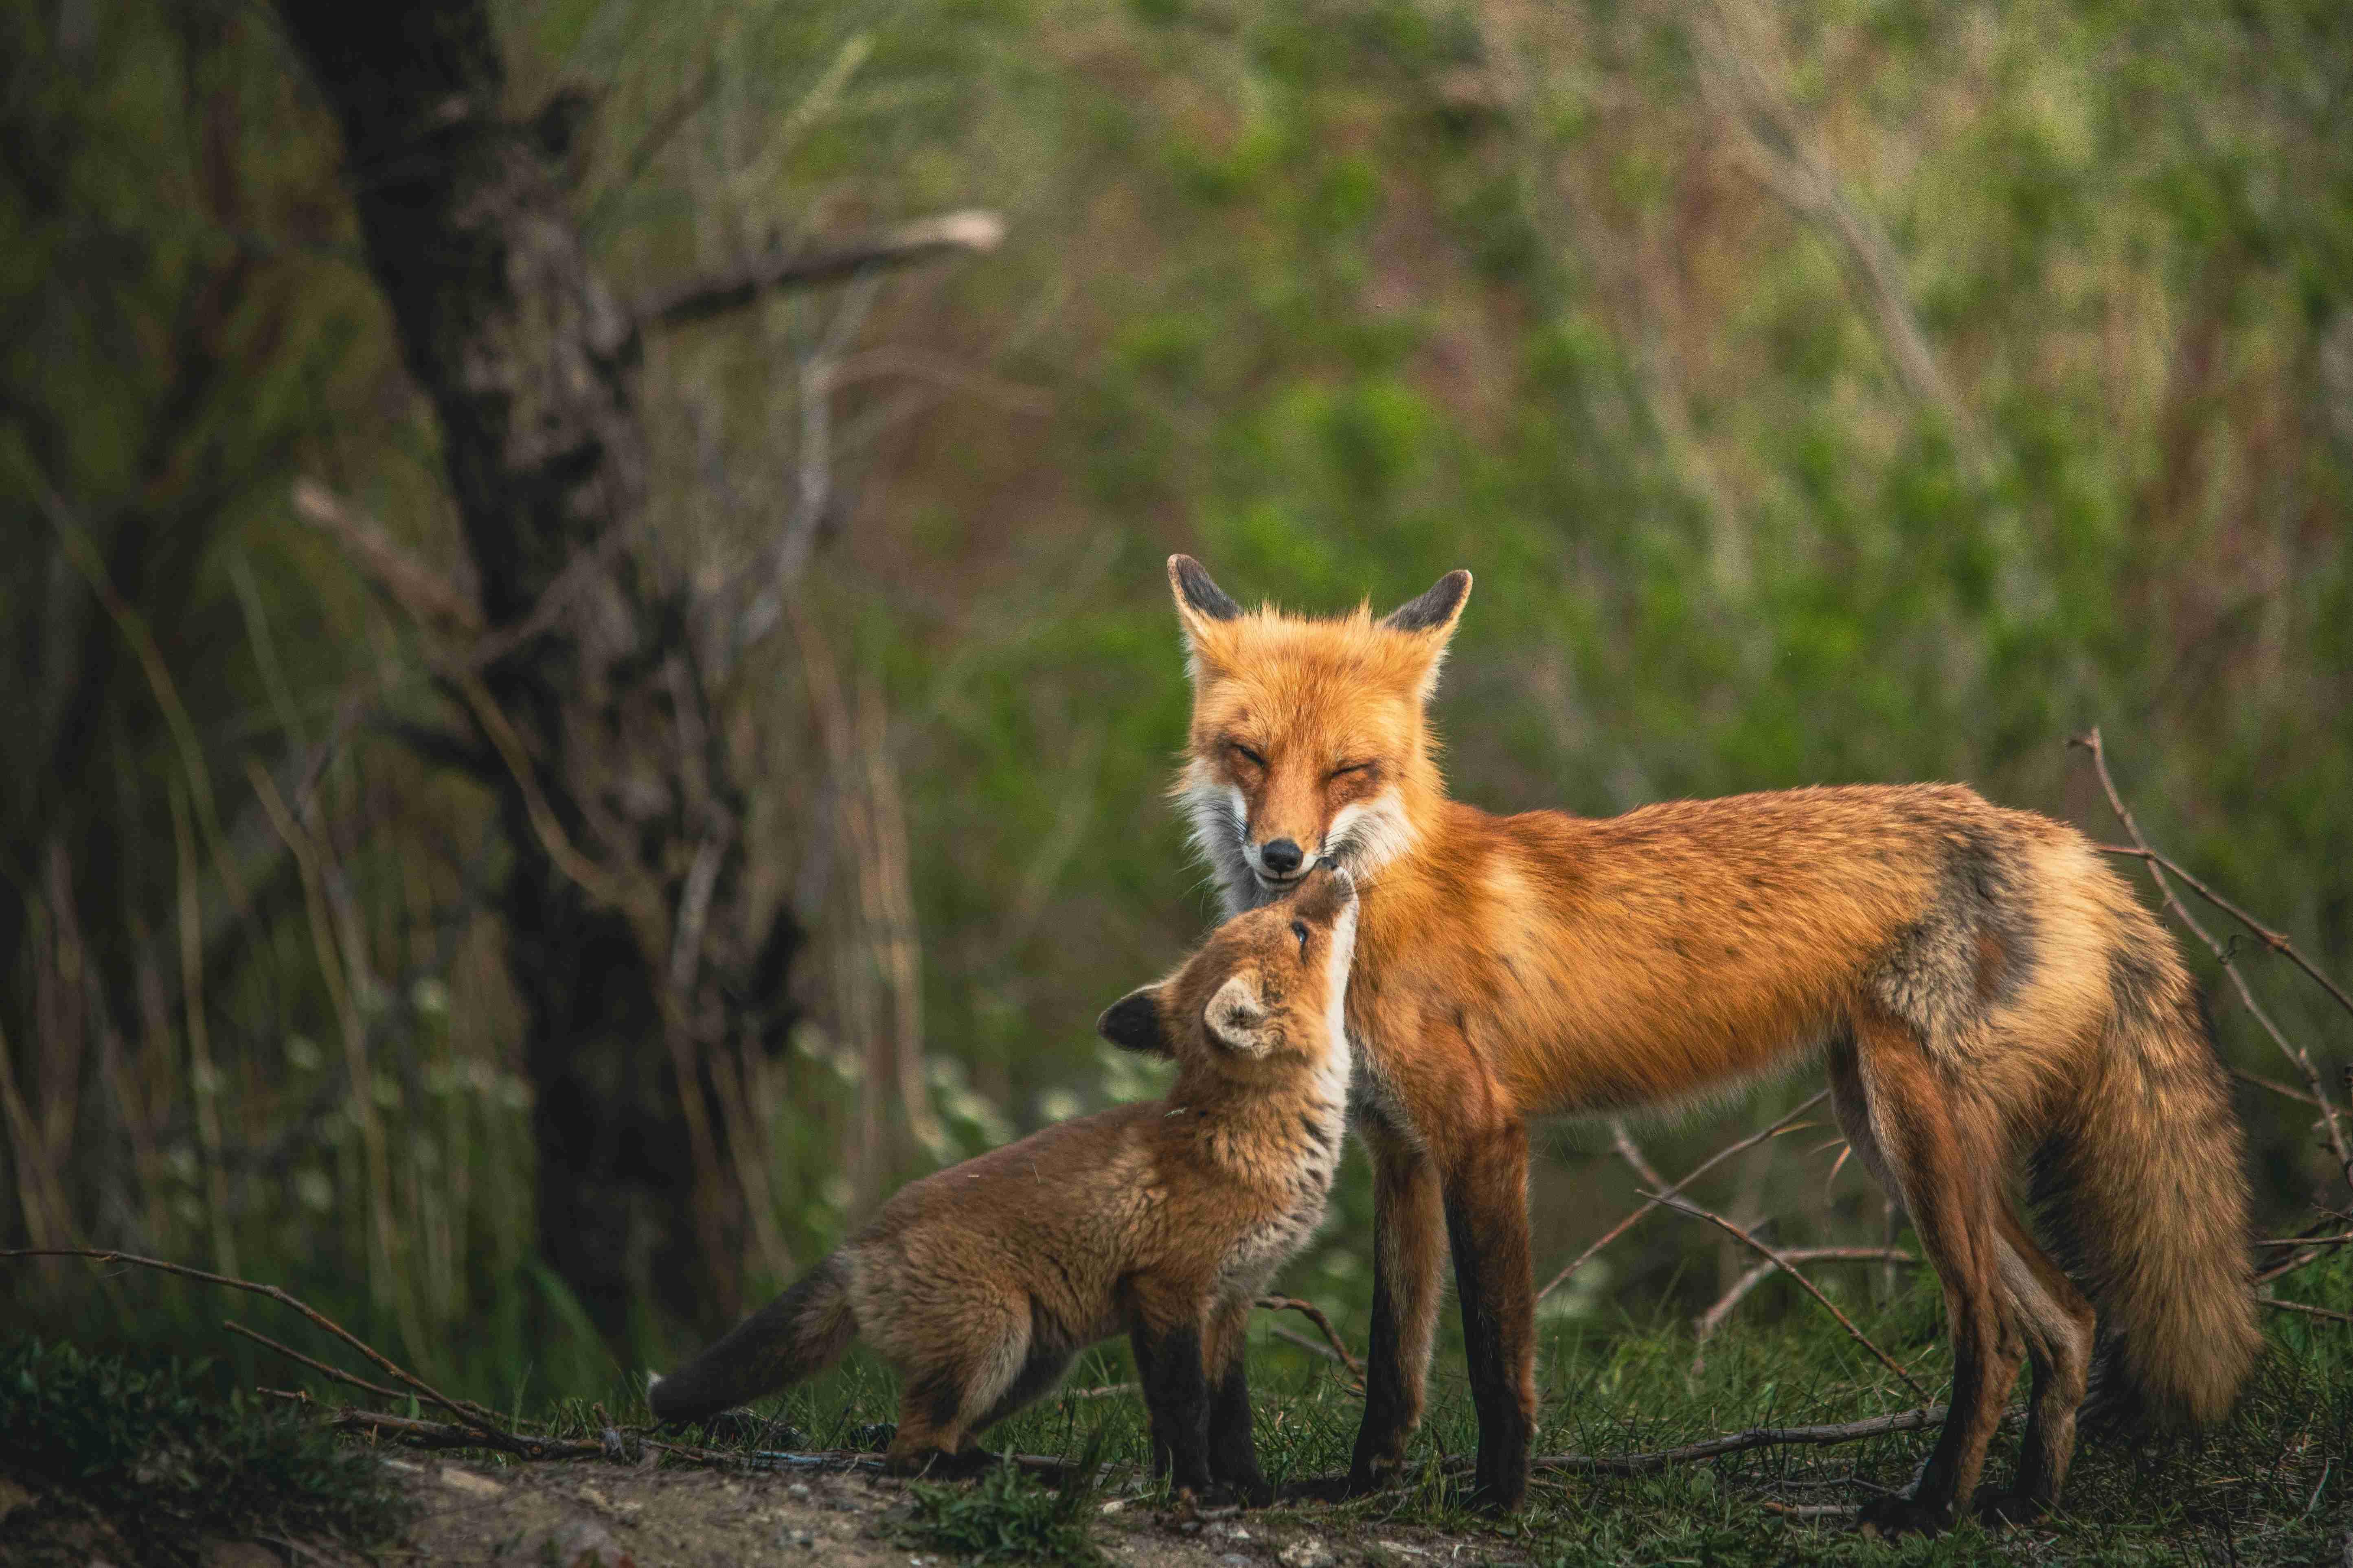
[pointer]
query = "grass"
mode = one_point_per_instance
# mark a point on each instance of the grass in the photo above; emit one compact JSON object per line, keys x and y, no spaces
{"x":147,"y":1462}
{"x":2269,"y":1485}
{"x":1005,"y":1516}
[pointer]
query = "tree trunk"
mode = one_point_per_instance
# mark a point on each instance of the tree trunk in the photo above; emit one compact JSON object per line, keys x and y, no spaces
{"x":645,"y":980}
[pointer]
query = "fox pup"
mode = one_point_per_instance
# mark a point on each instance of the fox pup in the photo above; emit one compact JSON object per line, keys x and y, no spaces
{"x":1990,"y":999}
{"x":1162,"y":1219}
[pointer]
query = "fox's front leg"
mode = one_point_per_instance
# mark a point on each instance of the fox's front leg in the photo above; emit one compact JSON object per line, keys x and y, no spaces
{"x":1168,"y":1360}
{"x":1487,"y":1221}
{"x":1409,"y":1240}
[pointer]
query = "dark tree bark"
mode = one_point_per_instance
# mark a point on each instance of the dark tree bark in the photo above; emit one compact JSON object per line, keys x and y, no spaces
{"x":643,"y":975}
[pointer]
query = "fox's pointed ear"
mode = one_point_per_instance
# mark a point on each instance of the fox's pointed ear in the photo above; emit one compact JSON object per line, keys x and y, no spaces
{"x":1203,"y":609}
{"x":1238,"y":1018}
{"x":1132,"y":1023}
{"x":1430,"y":619}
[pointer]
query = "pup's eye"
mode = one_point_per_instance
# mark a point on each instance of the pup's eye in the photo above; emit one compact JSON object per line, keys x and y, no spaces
{"x":1344,"y":769}
{"x":1299,"y":929}
{"x":1252,"y":758}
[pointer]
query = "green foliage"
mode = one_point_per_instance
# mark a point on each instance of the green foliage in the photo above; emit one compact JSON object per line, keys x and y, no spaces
{"x":1009,"y":1518}
{"x":149,"y":1450}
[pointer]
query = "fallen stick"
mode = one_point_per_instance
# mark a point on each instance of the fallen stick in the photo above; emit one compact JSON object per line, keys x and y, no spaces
{"x":498,"y":1436}
{"x":1741,"y":1442}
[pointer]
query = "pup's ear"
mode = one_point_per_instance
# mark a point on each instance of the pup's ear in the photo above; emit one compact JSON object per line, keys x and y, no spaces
{"x":1132,"y":1023}
{"x":1430,"y":619}
{"x":1238,"y":1018}
{"x":1204,"y":610}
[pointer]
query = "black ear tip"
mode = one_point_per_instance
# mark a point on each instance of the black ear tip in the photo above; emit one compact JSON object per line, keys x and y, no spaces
{"x":1200,"y":591}
{"x":1131,"y":1023}
{"x":1435,"y":608}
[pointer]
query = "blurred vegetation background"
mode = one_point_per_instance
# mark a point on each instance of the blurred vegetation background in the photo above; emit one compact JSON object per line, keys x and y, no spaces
{"x":1880,"y":390}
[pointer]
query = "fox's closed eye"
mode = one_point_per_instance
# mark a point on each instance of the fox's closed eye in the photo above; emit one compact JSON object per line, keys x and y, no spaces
{"x":1299,"y":929}
{"x":1347,"y":768}
{"x":1252,"y":758}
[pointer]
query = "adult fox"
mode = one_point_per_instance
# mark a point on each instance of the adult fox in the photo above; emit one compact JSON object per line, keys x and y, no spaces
{"x":1988,"y":994}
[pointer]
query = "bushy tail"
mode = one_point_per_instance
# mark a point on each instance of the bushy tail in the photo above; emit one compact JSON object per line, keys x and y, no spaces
{"x":2143,"y":1189}
{"x":797,"y":1335}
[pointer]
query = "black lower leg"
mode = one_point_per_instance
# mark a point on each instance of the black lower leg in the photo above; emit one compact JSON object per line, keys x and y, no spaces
{"x":1176,"y":1394}
{"x":1233,"y":1450}
{"x":1497,"y":1295}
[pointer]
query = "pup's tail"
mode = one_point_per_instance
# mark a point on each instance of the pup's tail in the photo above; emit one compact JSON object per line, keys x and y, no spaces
{"x":2143,"y":1187}
{"x":797,"y":1335}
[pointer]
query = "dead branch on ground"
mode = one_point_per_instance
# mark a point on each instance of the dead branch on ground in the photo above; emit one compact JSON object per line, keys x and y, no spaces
{"x":1754,"y":1437}
{"x":496,"y":1436}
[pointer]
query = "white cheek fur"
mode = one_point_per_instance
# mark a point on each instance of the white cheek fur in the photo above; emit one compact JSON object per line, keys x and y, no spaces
{"x":1367,"y":835}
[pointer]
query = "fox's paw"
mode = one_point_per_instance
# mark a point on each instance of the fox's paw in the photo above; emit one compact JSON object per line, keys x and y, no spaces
{"x":2003,"y":1510}
{"x":1245,"y":1491}
{"x":1373,"y":1475}
{"x":1891,"y":1518}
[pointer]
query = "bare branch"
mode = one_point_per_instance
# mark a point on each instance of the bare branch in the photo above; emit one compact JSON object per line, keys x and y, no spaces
{"x":1629,"y":1151}
{"x":1736,"y":43}
{"x":498,"y":1437}
{"x":1704,"y":1328}
{"x":1742,"y":1234}
{"x":1740,"y":1442}
{"x":405,"y":580}
{"x":1314,"y":1314}
{"x":2090,"y":741}
{"x":1787,"y":1123}
{"x":926,"y":240}
{"x":2310,"y":1311}
{"x":2277,"y":942}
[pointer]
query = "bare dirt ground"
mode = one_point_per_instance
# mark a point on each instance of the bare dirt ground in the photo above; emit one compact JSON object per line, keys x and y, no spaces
{"x":578,"y":1514}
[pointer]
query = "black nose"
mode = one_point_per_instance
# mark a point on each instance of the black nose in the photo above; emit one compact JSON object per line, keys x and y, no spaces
{"x":1281,"y":857}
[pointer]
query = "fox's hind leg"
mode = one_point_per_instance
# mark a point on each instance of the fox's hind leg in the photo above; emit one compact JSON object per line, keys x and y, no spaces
{"x":2058,"y":1322}
{"x":1898,"y":1113}
{"x":946,"y":1397}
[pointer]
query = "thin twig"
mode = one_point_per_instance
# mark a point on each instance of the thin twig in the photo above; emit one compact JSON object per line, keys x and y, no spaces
{"x":2090,"y":741}
{"x":701,"y":298}
{"x":1694,"y":1173}
{"x":1740,"y":1442}
{"x":1743,"y":1235}
{"x":2300,"y":1307}
{"x":1704,"y":1326}
{"x":499,"y":1436}
{"x":2276,"y":941}
{"x":1314,"y":1314}
{"x":2274,"y":1086}
{"x":1629,"y":1151}
{"x":337,"y":1373}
